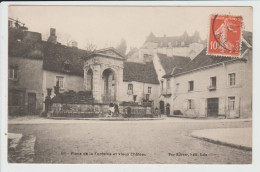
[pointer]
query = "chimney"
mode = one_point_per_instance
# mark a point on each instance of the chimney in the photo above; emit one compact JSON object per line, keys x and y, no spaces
{"x":52,"y":38}
{"x":74,"y":44}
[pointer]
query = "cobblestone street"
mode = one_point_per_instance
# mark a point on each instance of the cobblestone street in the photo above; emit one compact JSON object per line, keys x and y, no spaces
{"x":163,"y":141}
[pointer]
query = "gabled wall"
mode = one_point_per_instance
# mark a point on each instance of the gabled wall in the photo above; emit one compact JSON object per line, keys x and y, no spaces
{"x":201,"y":78}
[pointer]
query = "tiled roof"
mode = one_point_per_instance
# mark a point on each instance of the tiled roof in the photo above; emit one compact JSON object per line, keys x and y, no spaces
{"x":57,"y":54}
{"x":140,"y":72}
{"x":168,"y":63}
{"x":204,"y":60}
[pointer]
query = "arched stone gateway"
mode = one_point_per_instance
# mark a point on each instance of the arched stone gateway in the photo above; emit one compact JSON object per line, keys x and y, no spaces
{"x":109,"y":85}
{"x":103,"y":75}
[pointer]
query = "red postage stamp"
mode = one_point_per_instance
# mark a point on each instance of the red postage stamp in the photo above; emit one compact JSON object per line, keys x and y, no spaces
{"x":225,"y":35}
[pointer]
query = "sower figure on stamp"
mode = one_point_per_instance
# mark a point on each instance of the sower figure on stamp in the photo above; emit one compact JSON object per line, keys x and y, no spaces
{"x":222,"y":32}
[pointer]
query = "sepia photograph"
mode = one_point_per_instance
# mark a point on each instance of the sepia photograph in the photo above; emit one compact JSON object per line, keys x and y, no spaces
{"x":130,"y":84}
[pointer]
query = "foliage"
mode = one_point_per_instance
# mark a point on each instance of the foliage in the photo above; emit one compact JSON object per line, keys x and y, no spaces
{"x":122,"y":47}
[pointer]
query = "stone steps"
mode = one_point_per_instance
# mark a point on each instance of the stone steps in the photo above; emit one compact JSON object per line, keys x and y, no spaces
{"x":24,"y":152}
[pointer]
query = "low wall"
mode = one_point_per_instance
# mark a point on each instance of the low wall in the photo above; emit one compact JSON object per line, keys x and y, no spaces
{"x":98,"y":110}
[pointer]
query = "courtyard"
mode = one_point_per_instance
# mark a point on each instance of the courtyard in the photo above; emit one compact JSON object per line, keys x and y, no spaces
{"x":165,"y":141}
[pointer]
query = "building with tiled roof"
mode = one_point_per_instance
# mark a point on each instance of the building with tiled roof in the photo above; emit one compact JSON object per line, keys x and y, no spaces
{"x":211,"y":86}
{"x":168,"y":63}
{"x":37,"y":66}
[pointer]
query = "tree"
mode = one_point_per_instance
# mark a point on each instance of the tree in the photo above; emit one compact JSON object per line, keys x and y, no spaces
{"x":121,"y":48}
{"x":90,"y":47}
{"x":131,"y":51}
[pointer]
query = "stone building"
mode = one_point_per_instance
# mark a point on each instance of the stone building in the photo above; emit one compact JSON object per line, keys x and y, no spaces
{"x":201,"y":86}
{"x":212,"y":86}
{"x":25,"y":71}
{"x":112,"y":79}
{"x":36,"y":66}
{"x":183,"y":45}
{"x":63,"y":65}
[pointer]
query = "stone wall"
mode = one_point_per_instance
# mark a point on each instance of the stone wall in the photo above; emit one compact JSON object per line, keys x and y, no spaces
{"x":97,"y":110}
{"x":29,"y":77}
{"x":71,"y":82}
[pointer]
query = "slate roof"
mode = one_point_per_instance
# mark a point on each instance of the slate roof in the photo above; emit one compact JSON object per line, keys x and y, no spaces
{"x":25,"y":45}
{"x":140,"y":72}
{"x":168,"y":63}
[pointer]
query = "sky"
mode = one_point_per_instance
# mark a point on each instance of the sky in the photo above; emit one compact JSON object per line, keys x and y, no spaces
{"x":106,"y":26}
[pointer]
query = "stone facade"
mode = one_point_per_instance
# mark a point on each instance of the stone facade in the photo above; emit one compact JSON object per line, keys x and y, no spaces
{"x":98,"y":65}
{"x":29,"y":77}
{"x":118,"y":89}
{"x":97,"y":110}
{"x":196,"y":103}
{"x":70,"y":82}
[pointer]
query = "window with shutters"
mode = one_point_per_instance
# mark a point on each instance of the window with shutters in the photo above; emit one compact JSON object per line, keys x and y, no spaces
{"x":232,"y":79}
{"x":130,"y":89}
{"x":190,"y":104}
{"x":231,"y":103}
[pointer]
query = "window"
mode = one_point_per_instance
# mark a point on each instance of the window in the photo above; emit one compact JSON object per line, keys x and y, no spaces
{"x":168,"y":84}
{"x":12,"y":72}
{"x":231,"y":103}
{"x":134,"y":98}
{"x":213,"y":81}
{"x":190,"y":104}
{"x":191,"y":86}
{"x":130,"y":89}
{"x":149,"y":89}
{"x":15,"y":98}
{"x":162,"y":85}
{"x":147,"y":96}
{"x":232,"y":79}
{"x":60,"y":81}
{"x":67,"y":65}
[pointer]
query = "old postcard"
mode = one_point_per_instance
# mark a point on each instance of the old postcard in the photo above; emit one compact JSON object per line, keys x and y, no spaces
{"x":130,"y":84}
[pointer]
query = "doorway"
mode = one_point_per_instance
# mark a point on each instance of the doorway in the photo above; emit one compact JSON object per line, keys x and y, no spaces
{"x":31,"y":103}
{"x":212,"y":108}
{"x":162,"y":107}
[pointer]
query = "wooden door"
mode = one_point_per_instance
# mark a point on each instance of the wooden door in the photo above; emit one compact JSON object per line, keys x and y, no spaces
{"x":212,"y":107}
